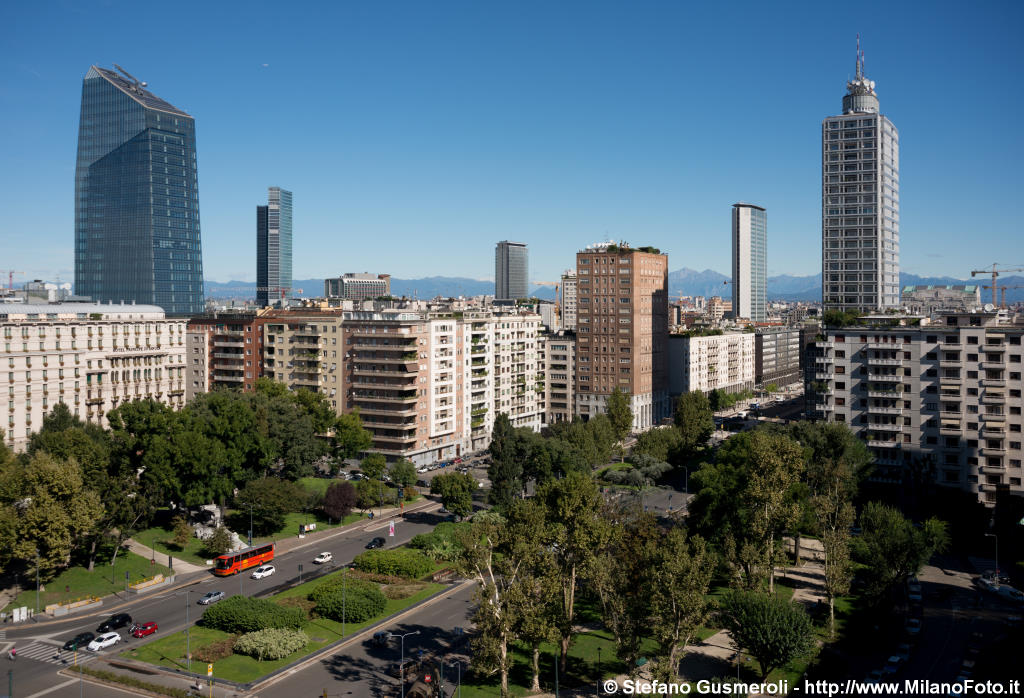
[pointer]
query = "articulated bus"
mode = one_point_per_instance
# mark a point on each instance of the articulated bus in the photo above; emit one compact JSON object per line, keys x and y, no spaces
{"x":233,"y":563}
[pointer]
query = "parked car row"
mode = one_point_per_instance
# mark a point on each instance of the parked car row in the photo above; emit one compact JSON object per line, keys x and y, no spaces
{"x":106,"y":637}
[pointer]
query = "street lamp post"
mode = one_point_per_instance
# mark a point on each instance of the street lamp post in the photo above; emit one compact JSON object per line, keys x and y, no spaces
{"x":401,"y":665}
{"x":37,"y":580}
{"x":458,"y":686}
{"x":250,"y":524}
{"x":188,"y":636}
{"x":987,"y":535}
{"x":686,"y":482}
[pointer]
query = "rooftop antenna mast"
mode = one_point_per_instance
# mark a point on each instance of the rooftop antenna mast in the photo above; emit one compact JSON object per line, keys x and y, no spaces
{"x":858,"y":73}
{"x":138,"y":83}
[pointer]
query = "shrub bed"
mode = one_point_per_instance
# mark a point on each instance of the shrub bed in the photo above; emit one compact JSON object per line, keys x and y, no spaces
{"x":216,"y":651}
{"x":411,"y":564}
{"x":299,"y":602}
{"x":271,"y":643}
{"x":240,"y":614}
{"x":402,"y":591}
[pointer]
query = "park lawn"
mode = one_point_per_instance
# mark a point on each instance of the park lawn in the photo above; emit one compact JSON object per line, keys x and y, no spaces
{"x":170,"y":651}
{"x":77,"y":582}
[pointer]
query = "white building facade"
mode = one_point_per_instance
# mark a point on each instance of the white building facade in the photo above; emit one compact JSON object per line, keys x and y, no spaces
{"x":749,"y":262}
{"x":92,"y":357}
{"x":860,"y":203}
{"x":714,"y":362}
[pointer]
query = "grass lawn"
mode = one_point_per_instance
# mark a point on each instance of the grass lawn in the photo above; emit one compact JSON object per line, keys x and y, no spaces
{"x":77,"y":582}
{"x":170,"y":651}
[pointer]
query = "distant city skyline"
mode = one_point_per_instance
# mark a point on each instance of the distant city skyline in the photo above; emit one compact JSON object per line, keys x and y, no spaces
{"x":418,"y":136}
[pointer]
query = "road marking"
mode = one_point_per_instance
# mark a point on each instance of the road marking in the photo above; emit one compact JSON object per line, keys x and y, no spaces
{"x":51,"y":689}
{"x":52,"y":654}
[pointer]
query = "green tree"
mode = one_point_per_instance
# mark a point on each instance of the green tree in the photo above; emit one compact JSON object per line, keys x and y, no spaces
{"x":505,"y":470}
{"x":403,"y":473}
{"x":620,"y":415}
{"x":373,"y":466}
{"x":773,"y":630}
{"x":576,"y":532}
{"x":663,"y":443}
{"x":621,"y":567}
{"x":679,"y":578}
{"x":317,"y":407}
{"x":891,"y":548}
{"x":456,"y":491}
{"x":181,"y":531}
{"x":56,"y":512}
{"x":219,"y":541}
{"x":271,"y":499}
{"x":350,"y":437}
{"x":776,"y":466}
{"x":695,"y":421}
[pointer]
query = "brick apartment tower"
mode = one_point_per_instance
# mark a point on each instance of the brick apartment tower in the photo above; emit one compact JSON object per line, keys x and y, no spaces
{"x":622,"y":330}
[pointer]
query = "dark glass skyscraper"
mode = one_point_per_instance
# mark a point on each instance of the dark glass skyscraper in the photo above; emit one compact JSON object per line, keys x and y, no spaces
{"x":136,"y":197}
{"x":274,"y":247}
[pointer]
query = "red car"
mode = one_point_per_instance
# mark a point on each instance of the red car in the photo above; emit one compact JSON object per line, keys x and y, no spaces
{"x":144,"y":630}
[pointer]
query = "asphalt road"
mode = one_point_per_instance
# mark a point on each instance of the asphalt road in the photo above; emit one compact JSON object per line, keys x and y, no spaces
{"x":39,"y":645}
{"x":360,"y":669}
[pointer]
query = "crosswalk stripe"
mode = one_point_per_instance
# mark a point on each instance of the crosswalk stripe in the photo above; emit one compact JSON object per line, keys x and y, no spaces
{"x":53,"y":654}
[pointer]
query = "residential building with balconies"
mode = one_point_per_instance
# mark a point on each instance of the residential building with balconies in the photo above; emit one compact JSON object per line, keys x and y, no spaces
{"x":559,"y":350}
{"x":944,"y":394}
{"x":93,"y":357}
{"x":707,"y":362}
{"x":305,"y":349}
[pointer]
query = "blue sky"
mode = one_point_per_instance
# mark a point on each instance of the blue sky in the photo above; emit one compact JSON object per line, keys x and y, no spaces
{"x":415,"y":135}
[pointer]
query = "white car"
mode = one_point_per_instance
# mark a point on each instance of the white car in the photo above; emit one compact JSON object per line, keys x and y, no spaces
{"x":263,"y":571}
{"x":104,"y":640}
{"x":322,"y":558}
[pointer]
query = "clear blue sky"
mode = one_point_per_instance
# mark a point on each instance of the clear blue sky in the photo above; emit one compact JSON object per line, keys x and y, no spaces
{"x":417,"y":134}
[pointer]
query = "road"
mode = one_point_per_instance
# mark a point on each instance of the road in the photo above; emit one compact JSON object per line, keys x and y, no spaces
{"x":358,"y":669}
{"x":39,"y":645}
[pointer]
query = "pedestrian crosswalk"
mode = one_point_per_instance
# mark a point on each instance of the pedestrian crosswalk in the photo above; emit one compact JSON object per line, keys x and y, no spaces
{"x":53,"y":654}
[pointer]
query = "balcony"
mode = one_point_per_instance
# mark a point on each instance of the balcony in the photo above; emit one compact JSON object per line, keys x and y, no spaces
{"x":226,"y":355}
{"x":884,"y":362}
{"x":883,"y":444}
{"x":887,"y":346}
{"x":885,"y":378}
{"x":384,"y":334}
{"x":885,"y":410}
{"x":370,"y":372}
{"x":986,"y":451}
{"x":227,"y":343}
{"x":886,"y":427}
{"x":993,"y":418}
{"x":408,"y":398}
{"x":992,"y":365}
{"x":817,"y":376}
{"x":993,"y":382}
{"x":377,"y":424}
{"x":409,"y":439}
{"x":387,"y":413}
{"x":950,"y":380}
{"x":950,"y":428}
{"x":229,"y":379}
{"x":991,"y":348}
{"x":988,"y":398}
{"x":823,"y":360}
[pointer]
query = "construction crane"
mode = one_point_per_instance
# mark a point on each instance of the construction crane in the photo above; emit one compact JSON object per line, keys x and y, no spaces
{"x":1002,"y":293}
{"x":10,"y":277}
{"x":556,"y":284}
{"x":995,"y":272}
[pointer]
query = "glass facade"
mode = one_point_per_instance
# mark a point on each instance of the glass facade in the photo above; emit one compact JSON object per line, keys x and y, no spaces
{"x":137,"y":232}
{"x":511,"y":270}
{"x":274,"y":247}
{"x":749,"y":262}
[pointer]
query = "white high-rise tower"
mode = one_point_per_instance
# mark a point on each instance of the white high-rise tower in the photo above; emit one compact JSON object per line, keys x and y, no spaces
{"x":749,"y":262}
{"x":860,"y":202}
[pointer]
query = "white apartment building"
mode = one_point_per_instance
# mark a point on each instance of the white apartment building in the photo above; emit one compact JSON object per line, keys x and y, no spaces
{"x":749,"y":262}
{"x":568,"y":300}
{"x":714,"y":362}
{"x":518,"y":369}
{"x":860,"y":203}
{"x":91,"y":356}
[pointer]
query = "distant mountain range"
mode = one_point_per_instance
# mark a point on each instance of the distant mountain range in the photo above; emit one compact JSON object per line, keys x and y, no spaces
{"x":685,"y":282}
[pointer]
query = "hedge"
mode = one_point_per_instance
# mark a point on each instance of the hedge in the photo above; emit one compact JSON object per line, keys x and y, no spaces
{"x":240,"y":614}
{"x":272,"y":643}
{"x":338,"y":583}
{"x":411,"y":564}
{"x":351,"y":605}
{"x":112,"y":677}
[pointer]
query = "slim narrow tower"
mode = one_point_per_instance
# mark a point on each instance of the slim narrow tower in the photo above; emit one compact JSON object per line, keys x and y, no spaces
{"x":860,"y":202}
{"x":274,"y":248}
{"x":749,"y":262}
{"x":511,"y":270}
{"x":136,"y":197}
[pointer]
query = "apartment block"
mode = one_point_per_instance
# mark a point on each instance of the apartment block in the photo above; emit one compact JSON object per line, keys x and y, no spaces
{"x":946,"y":392}
{"x":622,"y":330}
{"x":358,"y":286}
{"x":227,"y":349}
{"x":928,"y":300}
{"x":568,"y":300}
{"x":91,"y":356}
{"x":711,"y":362}
{"x":518,"y":369}
{"x":305,"y":349}
{"x":559,"y":371}
{"x":777,"y":356}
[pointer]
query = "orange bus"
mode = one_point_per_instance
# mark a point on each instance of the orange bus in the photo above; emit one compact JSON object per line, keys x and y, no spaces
{"x":233,"y":563}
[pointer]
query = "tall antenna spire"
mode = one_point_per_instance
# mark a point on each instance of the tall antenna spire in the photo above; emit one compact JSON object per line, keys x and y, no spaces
{"x":858,"y":73}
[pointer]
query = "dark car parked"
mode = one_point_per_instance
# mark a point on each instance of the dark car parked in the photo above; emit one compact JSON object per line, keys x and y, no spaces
{"x":118,"y":620}
{"x":377,"y":542}
{"x":81,"y":641}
